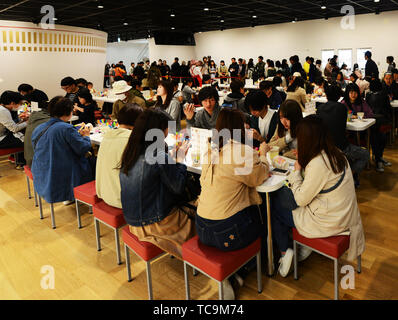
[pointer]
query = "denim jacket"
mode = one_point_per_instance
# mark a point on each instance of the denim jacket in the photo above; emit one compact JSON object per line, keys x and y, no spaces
{"x":150,"y":191}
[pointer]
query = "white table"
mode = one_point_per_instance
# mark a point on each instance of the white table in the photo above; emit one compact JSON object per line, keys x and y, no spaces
{"x":106,"y":99}
{"x":320,"y":99}
{"x":226,"y":85}
{"x":394,"y":104}
{"x":74,"y":118}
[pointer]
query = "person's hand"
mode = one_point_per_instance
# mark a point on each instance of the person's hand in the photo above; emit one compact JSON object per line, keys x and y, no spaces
{"x":189,"y":111}
{"x":257,"y":136}
{"x":264,"y":149}
{"x":85,"y":131}
{"x":295,"y":153}
{"x":354,"y":117}
{"x":247,"y":126}
{"x":24,"y":116}
{"x":297,"y":166}
{"x":182,"y":151}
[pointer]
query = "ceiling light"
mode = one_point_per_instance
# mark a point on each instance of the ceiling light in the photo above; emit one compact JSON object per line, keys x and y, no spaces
{"x":55,"y":19}
{"x":254,"y":17}
{"x":100,"y":5}
{"x":222,"y":20}
{"x":323,"y":7}
{"x":206,"y":9}
{"x":172,"y":28}
{"x":172,"y":15}
{"x":377,"y":0}
{"x":125,"y":23}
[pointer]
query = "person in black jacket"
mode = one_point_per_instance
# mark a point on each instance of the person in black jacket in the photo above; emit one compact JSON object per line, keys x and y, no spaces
{"x":371,"y":69}
{"x":139,"y":72}
{"x":87,"y":107}
{"x":175,"y":68}
{"x":263,"y":121}
{"x":390,"y":87}
{"x":312,"y":75}
{"x":334,"y":115}
{"x":31,"y":94}
{"x":242,"y":69}
{"x":233,"y":68}
{"x":274,"y":98}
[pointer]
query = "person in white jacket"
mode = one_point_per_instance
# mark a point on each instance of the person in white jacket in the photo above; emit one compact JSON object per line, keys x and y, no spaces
{"x":320,"y":201}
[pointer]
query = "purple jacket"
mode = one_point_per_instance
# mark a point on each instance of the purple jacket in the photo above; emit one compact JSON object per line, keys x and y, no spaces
{"x":360,"y":108}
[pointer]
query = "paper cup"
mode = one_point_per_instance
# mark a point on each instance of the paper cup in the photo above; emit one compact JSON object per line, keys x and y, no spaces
{"x":361,"y":116}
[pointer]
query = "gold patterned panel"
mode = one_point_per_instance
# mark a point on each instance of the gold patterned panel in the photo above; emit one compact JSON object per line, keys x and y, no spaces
{"x":17,"y":36}
{"x":50,"y":38}
{"x":4,"y":36}
{"x":11,"y":37}
{"x":40,"y":38}
{"x":23,"y":37}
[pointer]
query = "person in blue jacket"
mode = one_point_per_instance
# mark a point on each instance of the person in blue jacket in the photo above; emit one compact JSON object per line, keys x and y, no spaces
{"x":60,"y":160}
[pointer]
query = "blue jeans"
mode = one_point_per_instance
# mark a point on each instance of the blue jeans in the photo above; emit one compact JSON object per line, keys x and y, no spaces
{"x":234,"y":233}
{"x":282,"y":221}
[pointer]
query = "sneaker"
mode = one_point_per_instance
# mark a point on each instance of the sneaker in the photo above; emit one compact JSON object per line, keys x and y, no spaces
{"x":285,"y":263}
{"x":67,"y":203}
{"x":229,"y":293}
{"x":239,"y":279}
{"x":303,"y":253}
{"x":386,"y":163}
{"x":379,"y":167}
{"x":11,"y":159}
{"x":19,"y":167}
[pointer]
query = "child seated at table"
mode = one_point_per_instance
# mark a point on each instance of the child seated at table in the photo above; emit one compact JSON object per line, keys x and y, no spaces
{"x":290,"y":115}
{"x":10,"y":131}
{"x":320,"y":201}
{"x":229,"y":217}
{"x":110,"y":153}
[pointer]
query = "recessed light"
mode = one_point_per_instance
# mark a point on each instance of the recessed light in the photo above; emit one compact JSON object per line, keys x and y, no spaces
{"x":172,"y":28}
{"x":323,"y":7}
{"x":206,"y":9}
{"x":55,"y":19}
{"x":126,"y":23}
{"x":254,"y":17}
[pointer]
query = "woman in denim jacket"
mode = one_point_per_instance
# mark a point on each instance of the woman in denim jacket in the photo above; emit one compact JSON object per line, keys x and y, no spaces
{"x":153,"y":185}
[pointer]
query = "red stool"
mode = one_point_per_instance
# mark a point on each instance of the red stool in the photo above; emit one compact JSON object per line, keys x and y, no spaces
{"x":113,"y":218}
{"x":11,"y":151}
{"x":217,"y":264}
{"x":332,"y":248}
{"x":87,"y":194}
{"x":29,"y":176}
{"x":145,"y":250}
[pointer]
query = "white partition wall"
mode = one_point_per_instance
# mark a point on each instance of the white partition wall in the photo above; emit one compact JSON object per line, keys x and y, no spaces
{"x":42,"y":57}
{"x":168,"y":53}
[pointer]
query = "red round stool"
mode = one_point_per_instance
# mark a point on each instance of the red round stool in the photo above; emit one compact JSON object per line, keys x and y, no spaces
{"x":87,"y":194}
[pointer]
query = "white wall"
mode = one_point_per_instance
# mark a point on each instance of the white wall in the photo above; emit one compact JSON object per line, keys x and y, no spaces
{"x":127,"y":51}
{"x":168,"y":53}
{"x":305,"y":38}
{"x":44,"y":62}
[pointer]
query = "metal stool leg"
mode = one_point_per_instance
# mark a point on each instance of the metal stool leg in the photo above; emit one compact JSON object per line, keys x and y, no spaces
{"x":359,"y":266}
{"x":35,"y":193}
{"x":336,"y":279}
{"x":194,"y":272}
{"x":52,"y":215}
{"x":119,"y":260}
{"x":187,"y":294}
{"x":259,"y":279}
{"x":127,"y":253}
{"x":221,"y":290}
{"x":28,"y":184}
{"x":79,"y":222}
{"x":149,"y":279}
{"x":295,"y":260}
{"x":40,"y":208}
{"x":97,"y":234}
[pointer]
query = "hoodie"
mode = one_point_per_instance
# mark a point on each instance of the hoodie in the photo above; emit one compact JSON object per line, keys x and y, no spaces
{"x":237,"y":100}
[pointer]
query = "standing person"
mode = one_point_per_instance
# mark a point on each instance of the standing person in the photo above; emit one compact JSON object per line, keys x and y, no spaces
{"x":184,"y":70}
{"x":152,"y":186}
{"x":112,"y":75}
{"x":205,"y":70}
{"x":139,"y":72}
{"x":306,"y":66}
{"x":242,"y":69}
{"x":228,"y":216}
{"x":60,"y":160}
{"x":344,"y":70}
{"x":114,"y":142}
{"x":259,"y":70}
{"x":154,"y":76}
{"x":324,"y":203}
{"x":196,"y":72}
{"x":391,"y":64}
{"x":312,"y":71}
{"x":285,"y":69}
{"x":371,"y":69}
{"x":223,"y":71}
{"x":10,"y":132}
{"x":166,"y":70}
{"x":131,"y":70}
{"x":86,"y":110}
{"x":250,"y":68}
{"x":167,"y":102}
{"x":213,"y":70}
{"x":147,"y":66}
{"x":233,"y":68}
{"x":122,"y":66}
{"x":176,"y":69}
{"x":120,"y":71}
{"x":271,"y":71}
{"x":106,"y":76}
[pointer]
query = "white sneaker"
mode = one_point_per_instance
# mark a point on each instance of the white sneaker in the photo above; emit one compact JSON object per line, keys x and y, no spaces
{"x":303,"y":253}
{"x":229,"y":293}
{"x":380,"y":167}
{"x":67,"y":203}
{"x":285,"y":263}
{"x":386,"y":163}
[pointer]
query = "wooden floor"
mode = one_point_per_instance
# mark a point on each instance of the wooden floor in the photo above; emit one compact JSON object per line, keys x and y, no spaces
{"x":28,"y":243}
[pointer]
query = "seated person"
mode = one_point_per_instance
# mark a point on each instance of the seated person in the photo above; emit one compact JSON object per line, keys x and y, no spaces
{"x":176,"y":92}
{"x":237,"y":98}
{"x":263,"y":120}
{"x":86,"y":110}
{"x":207,"y":117}
{"x":297,"y":92}
{"x":109,"y":155}
{"x":356,"y":78}
{"x":137,"y":90}
{"x":390,"y":87}
{"x":152,"y":187}
{"x":90,"y":87}
{"x":319,"y":89}
{"x":81,"y":83}
{"x":273,"y":96}
{"x":228,"y":214}
{"x":31,"y":94}
{"x":60,"y":160}
{"x":187,"y":91}
{"x":277,"y":82}
{"x":69,"y":85}
{"x":279,"y":74}
{"x":320,"y":201}
{"x":35,"y":119}
{"x":167,"y":102}
{"x":10,"y":132}
{"x":334,"y":116}
{"x":125,"y":93}
{"x":290,"y":115}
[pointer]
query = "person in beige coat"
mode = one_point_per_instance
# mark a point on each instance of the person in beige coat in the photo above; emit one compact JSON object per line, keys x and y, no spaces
{"x":297,"y":93}
{"x":109,"y":155}
{"x":228,"y":214}
{"x":322,"y":201}
{"x":285,"y":134}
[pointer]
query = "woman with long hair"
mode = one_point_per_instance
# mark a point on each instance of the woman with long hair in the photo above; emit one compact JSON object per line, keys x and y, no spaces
{"x":320,"y":201}
{"x":229,"y":217}
{"x":168,"y":102}
{"x":285,"y":136}
{"x":297,"y":92}
{"x":153,"y":184}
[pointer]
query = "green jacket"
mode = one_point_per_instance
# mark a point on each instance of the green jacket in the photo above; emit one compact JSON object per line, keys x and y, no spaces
{"x":35,"y":119}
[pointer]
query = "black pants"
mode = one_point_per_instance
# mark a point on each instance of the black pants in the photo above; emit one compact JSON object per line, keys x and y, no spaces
{"x":11,"y":142}
{"x":378,"y":141}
